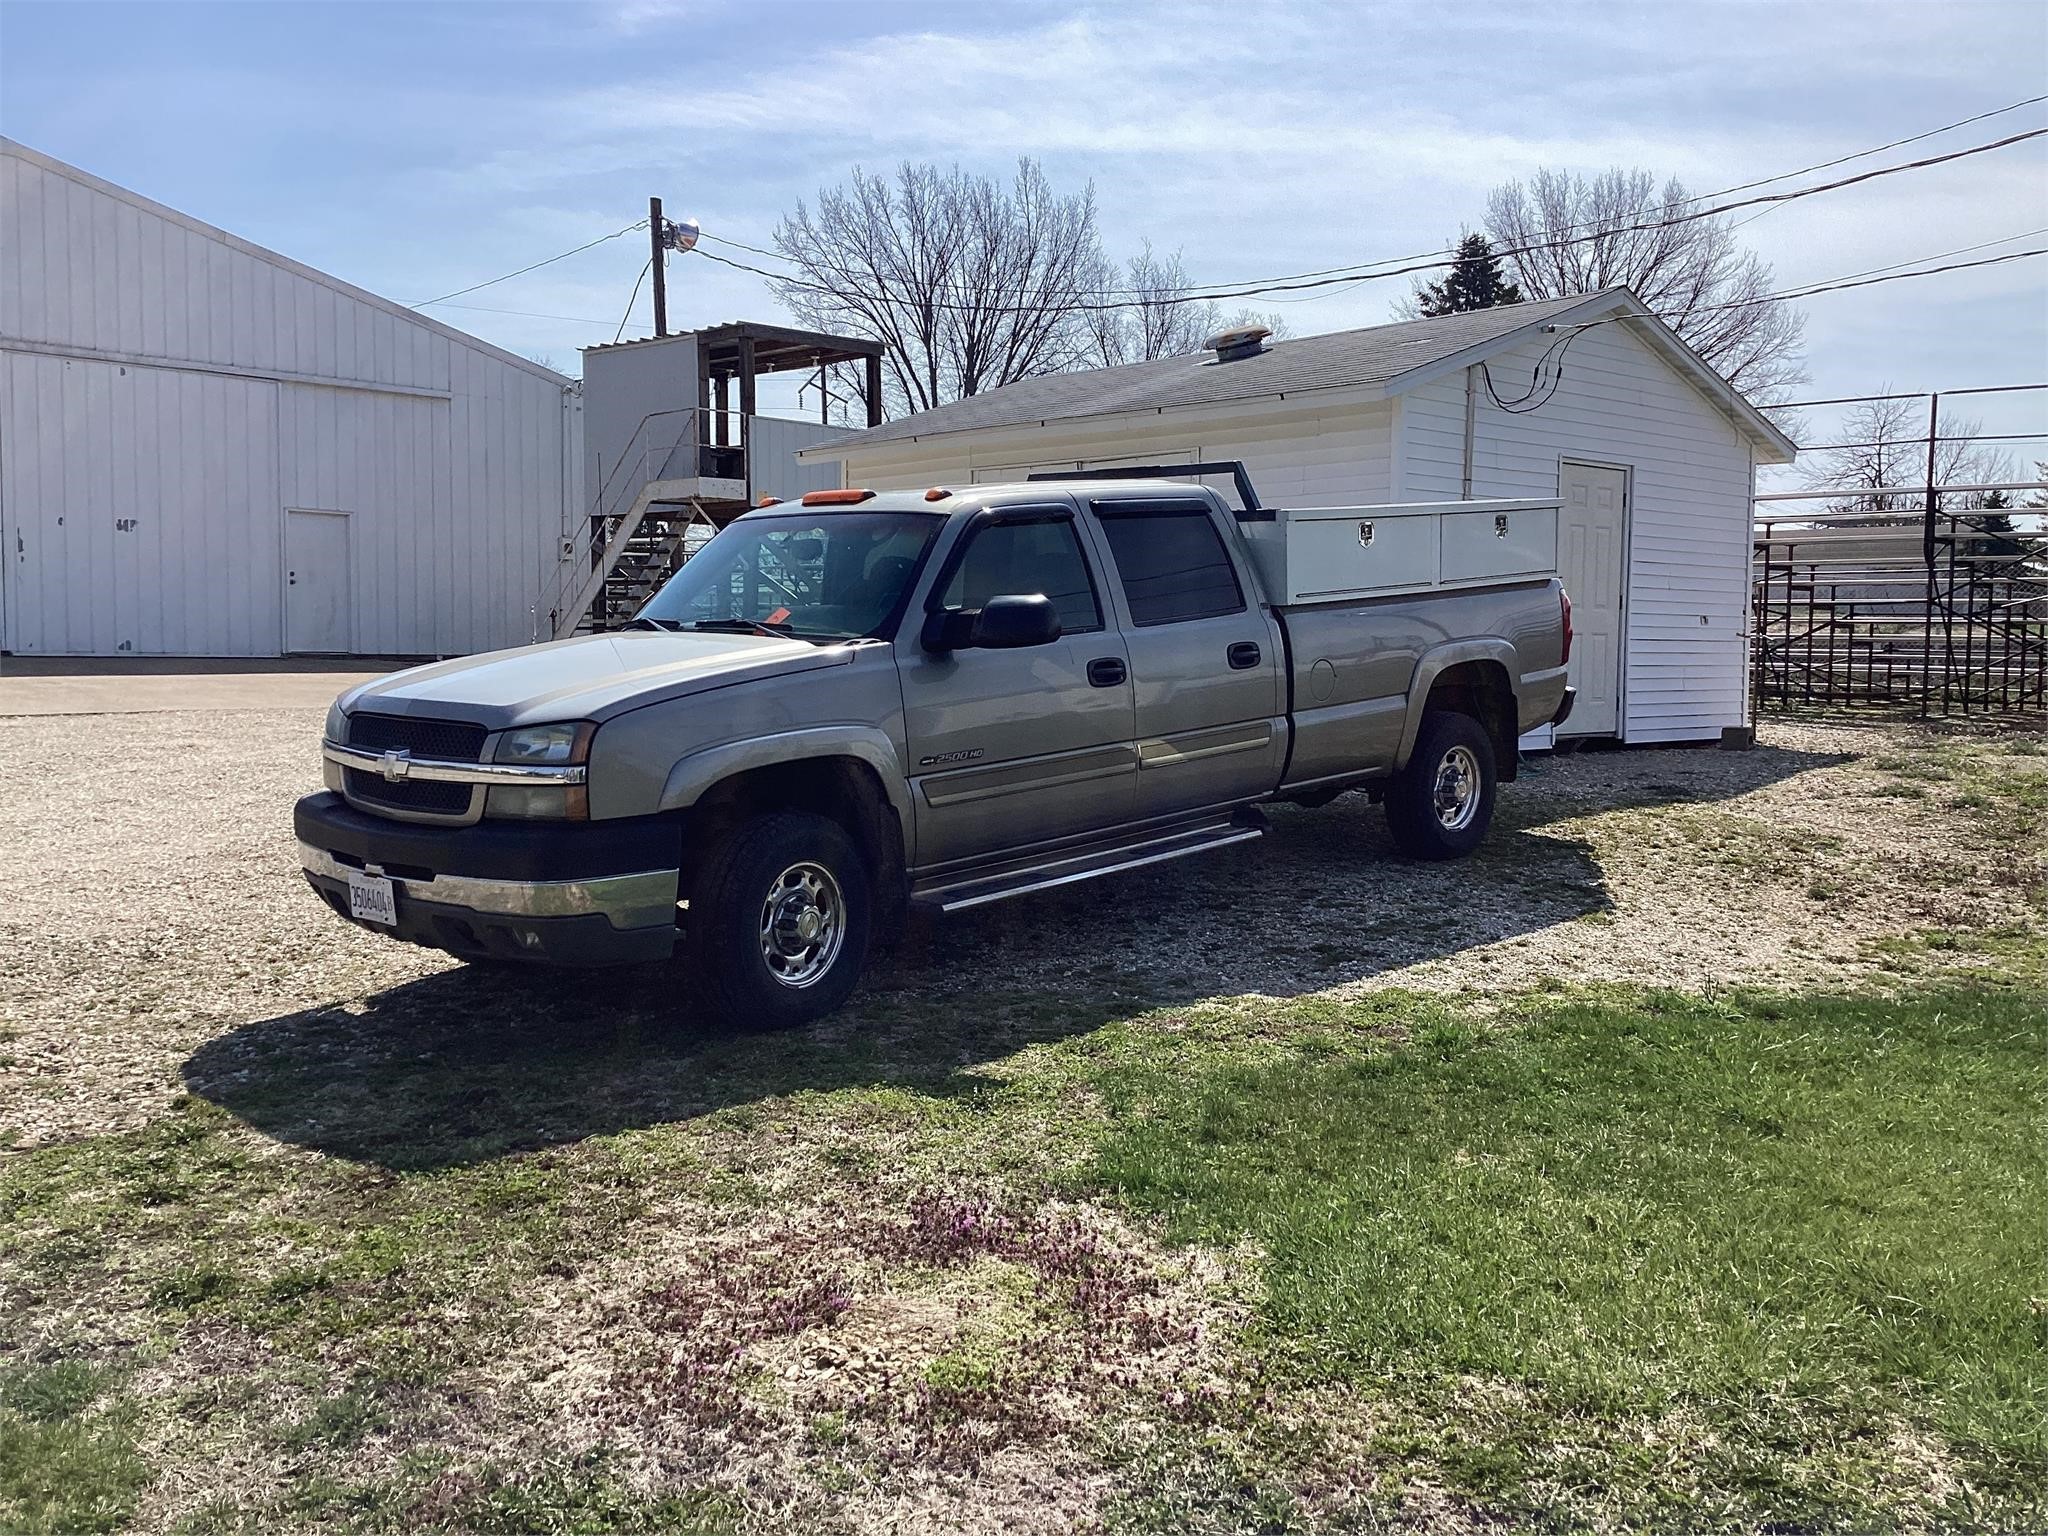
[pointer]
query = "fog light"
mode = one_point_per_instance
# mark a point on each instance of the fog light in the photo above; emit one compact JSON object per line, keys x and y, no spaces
{"x":538,"y":802}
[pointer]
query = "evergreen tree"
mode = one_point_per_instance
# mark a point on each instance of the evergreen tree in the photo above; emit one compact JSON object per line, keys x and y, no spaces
{"x":1475,"y":281}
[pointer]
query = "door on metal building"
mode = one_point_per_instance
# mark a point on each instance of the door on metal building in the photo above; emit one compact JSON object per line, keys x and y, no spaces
{"x":316,"y":585}
{"x":1593,"y":560}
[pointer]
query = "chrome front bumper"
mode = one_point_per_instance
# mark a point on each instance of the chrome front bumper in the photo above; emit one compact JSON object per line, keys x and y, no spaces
{"x":548,"y":893}
{"x":643,"y":900}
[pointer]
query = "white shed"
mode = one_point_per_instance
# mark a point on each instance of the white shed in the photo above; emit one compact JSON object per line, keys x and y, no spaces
{"x":207,"y":449}
{"x":1590,"y":399}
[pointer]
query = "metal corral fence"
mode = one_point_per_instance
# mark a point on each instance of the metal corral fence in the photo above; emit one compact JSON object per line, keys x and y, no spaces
{"x":1913,"y":597}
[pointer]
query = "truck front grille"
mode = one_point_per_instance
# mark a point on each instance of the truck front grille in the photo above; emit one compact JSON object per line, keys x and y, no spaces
{"x":422,"y":795}
{"x":454,"y":740}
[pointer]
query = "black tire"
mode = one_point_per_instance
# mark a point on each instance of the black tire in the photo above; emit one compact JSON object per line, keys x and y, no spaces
{"x":731,"y":900}
{"x":1420,"y":830}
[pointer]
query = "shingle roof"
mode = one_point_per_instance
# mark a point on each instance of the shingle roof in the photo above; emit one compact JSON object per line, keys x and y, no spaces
{"x":1369,"y":356}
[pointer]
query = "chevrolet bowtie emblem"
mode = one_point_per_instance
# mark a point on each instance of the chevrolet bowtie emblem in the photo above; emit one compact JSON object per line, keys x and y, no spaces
{"x":396,"y":765}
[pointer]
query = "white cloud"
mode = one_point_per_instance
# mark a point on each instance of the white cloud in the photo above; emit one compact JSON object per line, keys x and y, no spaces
{"x":1305,"y":137}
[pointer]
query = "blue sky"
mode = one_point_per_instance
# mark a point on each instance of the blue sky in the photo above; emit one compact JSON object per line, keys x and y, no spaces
{"x":414,"y":149}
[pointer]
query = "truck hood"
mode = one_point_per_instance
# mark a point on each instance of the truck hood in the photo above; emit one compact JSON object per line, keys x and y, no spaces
{"x":590,"y":677}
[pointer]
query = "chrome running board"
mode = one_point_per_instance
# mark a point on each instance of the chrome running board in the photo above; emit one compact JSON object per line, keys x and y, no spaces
{"x":959,"y":890}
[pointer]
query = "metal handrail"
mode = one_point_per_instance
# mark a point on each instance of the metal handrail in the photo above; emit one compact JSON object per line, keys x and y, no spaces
{"x":610,"y":504}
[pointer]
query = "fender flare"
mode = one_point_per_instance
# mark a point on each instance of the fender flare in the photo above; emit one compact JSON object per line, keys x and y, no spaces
{"x":1432,"y":662}
{"x":696,"y":773}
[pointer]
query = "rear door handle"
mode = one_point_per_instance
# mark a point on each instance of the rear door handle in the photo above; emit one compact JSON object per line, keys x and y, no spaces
{"x":1243,"y":654}
{"x":1107,"y":671}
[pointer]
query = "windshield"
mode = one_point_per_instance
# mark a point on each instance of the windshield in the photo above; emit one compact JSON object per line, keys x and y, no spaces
{"x":827,"y":578}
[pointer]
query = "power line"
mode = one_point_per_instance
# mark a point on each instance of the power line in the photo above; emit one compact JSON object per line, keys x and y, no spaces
{"x":548,"y":262}
{"x":1351,"y":267}
{"x":1915,"y":394}
{"x":1864,"y":154}
{"x":1547,"y":377}
{"x":635,"y":299}
{"x":1323,"y":280}
{"x":524,"y":314}
{"x":1836,"y":285}
{"x":1831,"y":285}
{"x":1961,"y":250}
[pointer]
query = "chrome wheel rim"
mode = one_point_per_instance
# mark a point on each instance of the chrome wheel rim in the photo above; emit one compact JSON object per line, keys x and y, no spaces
{"x":1456,"y":793}
{"x":803,"y":924}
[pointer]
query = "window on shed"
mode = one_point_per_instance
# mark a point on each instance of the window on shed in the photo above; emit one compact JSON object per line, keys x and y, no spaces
{"x":1172,"y":563}
{"x":1019,"y":559}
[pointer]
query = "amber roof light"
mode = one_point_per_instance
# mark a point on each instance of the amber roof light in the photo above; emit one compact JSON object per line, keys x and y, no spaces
{"x":835,"y":498}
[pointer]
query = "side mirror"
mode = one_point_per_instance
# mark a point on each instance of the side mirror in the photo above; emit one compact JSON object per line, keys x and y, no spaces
{"x":1002,"y":624}
{"x":1011,"y":623}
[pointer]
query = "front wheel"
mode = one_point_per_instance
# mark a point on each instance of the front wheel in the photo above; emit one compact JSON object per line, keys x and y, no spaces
{"x":1440,"y":805}
{"x":779,"y":922}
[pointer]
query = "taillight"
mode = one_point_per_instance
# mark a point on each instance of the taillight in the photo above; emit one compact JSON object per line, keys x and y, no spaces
{"x":1564,"y":599}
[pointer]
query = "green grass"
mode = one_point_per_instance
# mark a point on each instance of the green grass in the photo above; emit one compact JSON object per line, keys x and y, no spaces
{"x":1567,"y":1258}
{"x":68,"y":1462}
{"x":1796,"y":1225}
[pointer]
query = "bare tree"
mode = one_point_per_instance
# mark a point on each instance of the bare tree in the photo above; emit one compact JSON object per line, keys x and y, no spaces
{"x":1148,"y":311}
{"x":1563,"y":234}
{"x":969,"y":284}
{"x":1883,"y":446}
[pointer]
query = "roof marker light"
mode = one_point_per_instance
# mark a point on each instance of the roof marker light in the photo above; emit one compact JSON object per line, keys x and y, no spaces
{"x":937,"y":493}
{"x":835,"y":498}
{"x":769,"y":501}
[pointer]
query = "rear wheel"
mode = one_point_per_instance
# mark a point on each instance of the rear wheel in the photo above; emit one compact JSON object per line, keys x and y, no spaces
{"x":780,"y":919}
{"x":1440,"y":805}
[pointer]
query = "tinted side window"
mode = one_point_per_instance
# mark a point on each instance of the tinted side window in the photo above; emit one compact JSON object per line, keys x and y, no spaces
{"x":1011,"y":559}
{"x":1172,"y":563}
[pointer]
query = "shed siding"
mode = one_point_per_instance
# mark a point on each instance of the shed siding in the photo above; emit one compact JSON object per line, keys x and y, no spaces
{"x":1330,"y":457}
{"x":772,"y":462}
{"x":1619,"y":403}
{"x":157,"y":372}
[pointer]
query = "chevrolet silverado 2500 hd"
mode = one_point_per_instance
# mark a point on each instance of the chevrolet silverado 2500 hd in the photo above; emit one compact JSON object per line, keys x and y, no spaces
{"x":860,"y":702}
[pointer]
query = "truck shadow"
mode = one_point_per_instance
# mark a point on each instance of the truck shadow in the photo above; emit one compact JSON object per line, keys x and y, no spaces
{"x":468,"y":1065}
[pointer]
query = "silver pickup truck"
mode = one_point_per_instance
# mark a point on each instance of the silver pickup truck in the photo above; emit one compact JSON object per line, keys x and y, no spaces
{"x":845,"y":707}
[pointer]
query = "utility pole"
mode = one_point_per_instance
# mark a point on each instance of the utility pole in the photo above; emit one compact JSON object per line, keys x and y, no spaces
{"x":659,"y":246}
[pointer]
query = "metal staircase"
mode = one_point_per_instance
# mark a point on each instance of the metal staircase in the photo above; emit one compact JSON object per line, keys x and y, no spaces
{"x":641,"y":532}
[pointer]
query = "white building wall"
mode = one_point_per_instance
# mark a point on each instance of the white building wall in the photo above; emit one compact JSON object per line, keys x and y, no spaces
{"x":1319,"y":456}
{"x":773,"y":467}
{"x":1687,"y":601}
{"x":167,"y":392}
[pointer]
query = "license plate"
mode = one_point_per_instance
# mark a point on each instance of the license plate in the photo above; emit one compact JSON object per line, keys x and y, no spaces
{"x":372,"y":899}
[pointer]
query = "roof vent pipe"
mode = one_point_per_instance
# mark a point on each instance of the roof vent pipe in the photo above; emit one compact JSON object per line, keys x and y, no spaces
{"x":1239,"y":341}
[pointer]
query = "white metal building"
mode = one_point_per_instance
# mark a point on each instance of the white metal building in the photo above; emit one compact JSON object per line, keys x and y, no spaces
{"x":1652,"y":453}
{"x":207,"y":449}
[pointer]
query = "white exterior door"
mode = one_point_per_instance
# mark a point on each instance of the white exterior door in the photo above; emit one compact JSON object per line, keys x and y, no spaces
{"x":316,"y":586}
{"x":1593,"y":561}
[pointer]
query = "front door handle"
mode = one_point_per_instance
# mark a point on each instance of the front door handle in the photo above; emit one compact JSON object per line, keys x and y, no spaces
{"x":1107,"y":671}
{"x":1243,"y":654}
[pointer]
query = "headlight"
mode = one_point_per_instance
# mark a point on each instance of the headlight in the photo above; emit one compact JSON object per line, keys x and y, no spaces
{"x":543,"y":746}
{"x":336,"y":729}
{"x":539,"y":745}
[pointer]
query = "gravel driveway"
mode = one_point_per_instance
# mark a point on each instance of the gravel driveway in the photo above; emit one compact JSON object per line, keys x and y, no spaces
{"x":151,"y":900}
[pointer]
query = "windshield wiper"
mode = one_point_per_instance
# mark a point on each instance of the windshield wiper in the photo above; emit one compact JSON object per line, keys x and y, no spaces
{"x":742,"y":627}
{"x":642,"y":621}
